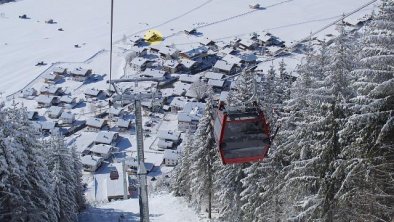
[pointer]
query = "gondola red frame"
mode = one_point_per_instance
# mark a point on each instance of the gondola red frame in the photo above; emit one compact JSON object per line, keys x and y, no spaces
{"x":223,"y":117}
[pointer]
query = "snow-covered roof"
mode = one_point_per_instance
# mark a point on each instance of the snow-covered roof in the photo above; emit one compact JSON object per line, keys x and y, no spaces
{"x":55,"y":110}
{"x":29,"y":92}
{"x":189,"y":78}
{"x":170,"y":155}
{"x":91,"y":160}
{"x":223,"y":65}
{"x":67,"y":115}
{"x":167,"y":50}
{"x":50,"y":76}
{"x":168,"y":135}
{"x":115,"y":111}
{"x":232,"y":59}
{"x":191,"y":111}
{"x":206,"y":41}
{"x":247,"y":42}
{"x":216,"y":83}
{"x":92,"y":92}
{"x":101,"y":148}
{"x":180,"y":88}
{"x":196,"y":51}
{"x":59,"y":70}
{"x":95,"y":122}
{"x":213,"y":75}
{"x":45,"y":99}
{"x":50,"y":89}
{"x":106,"y":137}
{"x":44,"y":125}
{"x":223,"y":96}
{"x":67,"y":99}
{"x":171,"y":63}
{"x":80,"y":71}
{"x":187,"y":63}
{"x":178,"y":102}
{"x":249,"y":57}
{"x":163,"y":143}
{"x":154,"y":73}
{"x":139,"y":61}
{"x":123,"y":123}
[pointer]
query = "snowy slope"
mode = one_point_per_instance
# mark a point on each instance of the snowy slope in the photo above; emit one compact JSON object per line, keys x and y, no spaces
{"x":24,"y":42}
{"x":163,"y":208}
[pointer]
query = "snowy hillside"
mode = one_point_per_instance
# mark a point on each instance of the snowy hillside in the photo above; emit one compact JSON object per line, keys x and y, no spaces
{"x":86,"y":24}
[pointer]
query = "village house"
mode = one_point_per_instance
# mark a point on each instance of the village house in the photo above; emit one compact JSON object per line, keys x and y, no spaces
{"x":209,"y":43}
{"x":52,"y":78}
{"x":162,"y":144}
{"x":189,"y":117}
{"x":138,"y":52}
{"x":216,"y":84}
{"x":54,"y":112}
{"x":29,"y":93}
{"x":172,"y":66}
{"x":115,"y":111}
{"x":91,"y":163}
{"x":189,"y":78}
{"x":140,"y":64}
{"x":102,"y":150}
{"x":154,"y":73}
{"x":67,"y":118}
{"x":169,"y":135}
{"x":165,"y":52}
{"x":191,"y":31}
{"x":248,"y":59}
{"x":68,"y":102}
{"x":190,"y":65}
{"x":46,"y":126}
{"x":177,"y":103}
{"x":195,"y":53}
{"x":95,"y":124}
{"x":107,"y":137}
{"x":170,"y":157}
{"x":44,"y":101}
{"x":94,"y":93}
{"x":180,"y":88}
{"x":115,"y":189}
{"x":51,"y":90}
{"x":123,"y":125}
{"x":137,"y":40}
{"x":59,"y":71}
{"x":247,"y":44}
{"x":225,"y":67}
{"x":132,"y":164}
{"x":80,"y":74}
{"x":32,"y":115}
{"x":213,"y":75}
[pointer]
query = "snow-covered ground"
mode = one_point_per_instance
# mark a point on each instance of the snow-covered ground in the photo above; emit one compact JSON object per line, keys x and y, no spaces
{"x":86,"y":23}
{"x":162,"y":207}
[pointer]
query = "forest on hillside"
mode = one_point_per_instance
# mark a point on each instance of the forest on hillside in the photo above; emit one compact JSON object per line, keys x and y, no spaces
{"x":333,"y":158}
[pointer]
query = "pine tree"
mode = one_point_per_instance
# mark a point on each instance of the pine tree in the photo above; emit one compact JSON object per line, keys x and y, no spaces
{"x":77,"y":179}
{"x":182,"y":180}
{"x":202,"y":161}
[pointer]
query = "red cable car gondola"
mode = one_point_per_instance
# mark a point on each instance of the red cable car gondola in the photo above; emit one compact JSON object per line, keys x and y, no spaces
{"x":241,"y":134}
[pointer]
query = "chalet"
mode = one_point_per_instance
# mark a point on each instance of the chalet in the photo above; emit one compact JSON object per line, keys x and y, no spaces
{"x":114,"y":111}
{"x":132,"y":164}
{"x":165,"y":52}
{"x":95,"y":124}
{"x":189,"y":78}
{"x":209,"y":43}
{"x":247,"y":44}
{"x":177,"y":103}
{"x":189,"y":117}
{"x":192,"y":31}
{"x":91,"y":163}
{"x":32,"y":115}
{"x":52,"y":78}
{"x":54,"y":112}
{"x":107,"y":137}
{"x":195,"y":53}
{"x":28,"y":93}
{"x":190,"y":65}
{"x":216,"y":84}
{"x":170,"y":158}
{"x":249,"y":58}
{"x":139,"y":51}
{"x":172,"y":66}
{"x":46,"y":101}
{"x":94,"y":93}
{"x":169,"y":135}
{"x":213,"y":75}
{"x":68,"y":102}
{"x":80,"y":74}
{"x":123,"y":124}
{"x":67,"y":118}
{"x":102,"y":150}
{"x":45,"y":126}
{"x":154,"y":73}
{"x":162,"y":144}
{"x":225,"y":67}
{"x":115,"y":189}
{"x":59,"y":71}
{"x":51,"y":90}
{"x":180,"y":88}
{"x":140,"y":64}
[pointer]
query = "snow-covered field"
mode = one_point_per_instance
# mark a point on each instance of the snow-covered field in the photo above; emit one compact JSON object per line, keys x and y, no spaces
{"x":24,"y":42}
{"x":163,"y":208}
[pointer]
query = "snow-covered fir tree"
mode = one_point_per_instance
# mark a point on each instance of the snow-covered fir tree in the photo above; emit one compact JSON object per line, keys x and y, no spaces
{"x":202,"y":156}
